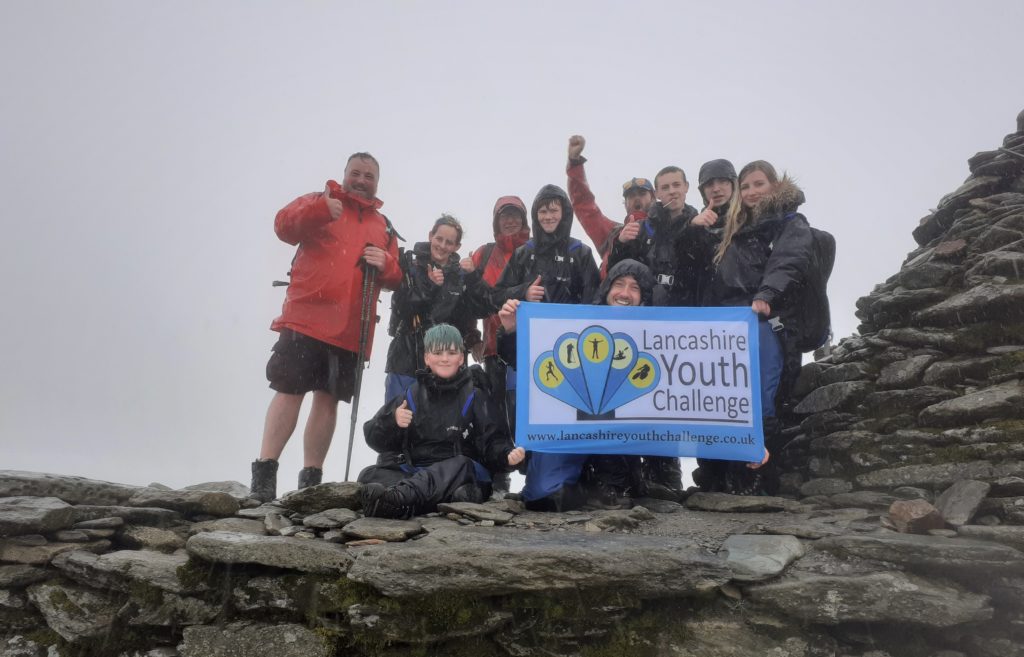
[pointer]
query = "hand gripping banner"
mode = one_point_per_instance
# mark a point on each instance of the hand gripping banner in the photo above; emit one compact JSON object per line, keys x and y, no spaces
{"x":647,"y":381}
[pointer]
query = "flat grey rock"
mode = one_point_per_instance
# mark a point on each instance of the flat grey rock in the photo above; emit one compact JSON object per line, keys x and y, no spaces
{"x":841,"y":396}
{"x":1007,"y":487}
{"x":476,"y":511}
{"x":150,"y":538}
{"x":100,"y":523}
{"x":904,"y":373}
{"x":122,"y":569}
{"x":73,"y":490}
{"x":987,"y":301}
{"x":726,"y":503}
{"x":278,"y":551}
{"x":237,"y":525}
{"x":842,"y":373}
{"x":40,"y":555}
{"x":74,"y":612}
{"x":825,"y":486}
{"x":17,"y":576}
{"x":259,"y":512}
{"x":891,"y":402}
{"x":754,"y":558}
{"x":889,"y":597}
{"x":71,"y":536}
{"x":235,"y":489}
{"x":1002,"y":401}
{"x":1012,"y":536}
{"x":330,"y":519}
{"x":958,"y":503}
{"x":484,"y":562}
{"x":383,"y":528}
{"x":149,"y":516}
{"x":334,"y":495}
{"x":925,"y":475}
{"x":189,"y":502}
{"x":808,"y":529}
{"x":930,"y":555}
{"x":954,"y":371}
{"x":253,"y":640}
{"x":34,"y":515}
{"x":658,"y":506}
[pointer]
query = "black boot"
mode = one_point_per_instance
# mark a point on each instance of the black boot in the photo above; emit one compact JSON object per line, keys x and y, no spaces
{"x":468,"y":493}
{"x":310,"y":476}
{"x":264,"y":480}
{"x":384,"y":502}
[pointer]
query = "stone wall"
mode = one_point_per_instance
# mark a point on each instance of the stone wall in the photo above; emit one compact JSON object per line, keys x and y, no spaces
{"x":206,"y":573}
{"x":901,"y":533}
{"x":930,"y":392}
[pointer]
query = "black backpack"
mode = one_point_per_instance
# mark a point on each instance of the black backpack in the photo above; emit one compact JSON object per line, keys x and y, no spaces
{"x":808,"y":312}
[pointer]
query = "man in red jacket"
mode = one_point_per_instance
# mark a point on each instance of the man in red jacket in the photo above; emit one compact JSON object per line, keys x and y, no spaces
{"x":340,"y":233}
{"x":637,"y":197}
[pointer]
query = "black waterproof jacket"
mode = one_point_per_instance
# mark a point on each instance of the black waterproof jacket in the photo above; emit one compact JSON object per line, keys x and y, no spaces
{"x":638,"y":270}
{"x":767,"y":258}
{"x":566,"y":265}
{"x":677,"y":272}
{"x":450,"y":417}
{"x":419,"y":304}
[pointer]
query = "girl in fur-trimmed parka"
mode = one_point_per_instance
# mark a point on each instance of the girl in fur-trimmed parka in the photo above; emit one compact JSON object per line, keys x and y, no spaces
{"x":447,"y":434}
{"x":763,"y":256}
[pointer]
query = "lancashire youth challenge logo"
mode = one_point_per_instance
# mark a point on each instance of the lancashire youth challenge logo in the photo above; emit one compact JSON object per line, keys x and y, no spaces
{"x":596,"y":371}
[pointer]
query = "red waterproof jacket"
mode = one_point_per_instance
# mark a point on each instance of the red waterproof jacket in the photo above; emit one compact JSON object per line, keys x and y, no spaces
{"x":325,"y":294}
{"x":503,"y":248}
{"x":597,"y":226}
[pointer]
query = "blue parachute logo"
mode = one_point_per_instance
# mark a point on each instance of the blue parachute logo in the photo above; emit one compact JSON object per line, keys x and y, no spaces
{"x":596,"y":371}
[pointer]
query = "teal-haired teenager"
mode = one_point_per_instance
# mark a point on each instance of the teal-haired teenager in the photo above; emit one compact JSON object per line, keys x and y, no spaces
{"x":447,"y":432}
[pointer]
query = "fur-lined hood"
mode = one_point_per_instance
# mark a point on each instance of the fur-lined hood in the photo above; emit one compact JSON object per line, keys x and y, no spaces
{"x":786,"y":197}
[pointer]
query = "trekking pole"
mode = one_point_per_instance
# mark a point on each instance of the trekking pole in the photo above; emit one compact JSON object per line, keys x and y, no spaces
{"x":366,"y":314}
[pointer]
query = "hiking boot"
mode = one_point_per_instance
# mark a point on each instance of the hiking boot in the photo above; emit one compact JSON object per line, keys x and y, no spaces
{"x":605,"y":496}
{"x":750,"y":485}
{"x":264,"y":480}
{"x":310,"y":476}
{"x":383,"y":502}
{"x":661,"y":492}
{"x":468,"y":493}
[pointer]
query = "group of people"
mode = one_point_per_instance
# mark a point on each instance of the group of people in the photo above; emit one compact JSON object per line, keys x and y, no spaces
{"x":445,"y":431}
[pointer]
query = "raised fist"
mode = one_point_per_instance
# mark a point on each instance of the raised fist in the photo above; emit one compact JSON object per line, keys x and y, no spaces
{"x":576,"y":144}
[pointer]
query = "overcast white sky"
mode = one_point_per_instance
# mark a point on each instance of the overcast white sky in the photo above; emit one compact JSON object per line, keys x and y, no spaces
{"x":146,"y":147}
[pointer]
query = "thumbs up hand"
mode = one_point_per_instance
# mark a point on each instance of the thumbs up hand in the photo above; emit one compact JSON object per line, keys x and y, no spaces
{"x":403,"y":416}
{"x":629,"y":232}
{"x":707,"y":217}
{"x":536,"y":291}
{"x":334,"y":206}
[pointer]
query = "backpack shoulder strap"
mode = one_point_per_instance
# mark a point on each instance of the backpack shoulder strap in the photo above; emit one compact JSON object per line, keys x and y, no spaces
{"x":488,"y":251}
{"x":389,"y":228}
